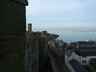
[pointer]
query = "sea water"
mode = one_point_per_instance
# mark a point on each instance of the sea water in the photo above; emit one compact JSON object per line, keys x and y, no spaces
{"x":73,"y":35}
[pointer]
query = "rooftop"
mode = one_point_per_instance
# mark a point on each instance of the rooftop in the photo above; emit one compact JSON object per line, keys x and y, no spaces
{"x":93,"y":63}
{"x":86,"y":51}
{"x":86,"y":43}
{"x":68,"y":53}
{"x":77,"y":66}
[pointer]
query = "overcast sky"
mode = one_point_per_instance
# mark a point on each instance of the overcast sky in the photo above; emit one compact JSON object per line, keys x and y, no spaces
{"x":61,"y":13}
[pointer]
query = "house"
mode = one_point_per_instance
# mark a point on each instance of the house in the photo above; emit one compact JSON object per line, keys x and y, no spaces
{"x":72,"y":62}
{"x":84,"y":53}
{"x":58,"y":47}
{"x":77,"y":67}
{"x":92,"y":65}
{"x":85,"y":50}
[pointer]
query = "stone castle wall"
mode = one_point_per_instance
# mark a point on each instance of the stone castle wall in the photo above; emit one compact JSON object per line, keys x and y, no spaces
{"x":36,"y":53}
{"x":29,"y":27}
{"x":12,"y":36}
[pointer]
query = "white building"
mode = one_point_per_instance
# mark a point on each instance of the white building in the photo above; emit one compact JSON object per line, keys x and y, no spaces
{"x":72,"y":62}
{"x":81,"y":57}
{"x":83,"y":53}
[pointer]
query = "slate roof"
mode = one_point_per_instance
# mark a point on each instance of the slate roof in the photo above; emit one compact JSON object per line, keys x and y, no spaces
{"x":68,"y":53}
{"x":91,"y":48}
{"x":93,"y":60}
{"x":93,"y":63}
{"x":86,"y":43}
{"x":77,"y":66}
{"x":86,"y":51}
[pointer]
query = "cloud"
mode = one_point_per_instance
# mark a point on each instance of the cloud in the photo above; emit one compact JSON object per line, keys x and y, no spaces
{"x":65,"y":12}
{"x":37,"y":7}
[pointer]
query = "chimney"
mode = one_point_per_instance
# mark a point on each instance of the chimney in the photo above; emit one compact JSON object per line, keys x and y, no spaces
{"x":29,"y":27}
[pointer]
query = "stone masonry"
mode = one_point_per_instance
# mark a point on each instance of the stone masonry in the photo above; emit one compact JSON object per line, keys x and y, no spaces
{"x":37,"y":52}
{"x":12,"y":35}
{"x":29,"y":27}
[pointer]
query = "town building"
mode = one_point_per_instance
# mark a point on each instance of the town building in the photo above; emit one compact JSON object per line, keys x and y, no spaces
{"x":84,"y":53}
{"x":92,"y":65}
{"x":58,"y":47}
{"x":73,"y":62}
{"x":77,"y":67}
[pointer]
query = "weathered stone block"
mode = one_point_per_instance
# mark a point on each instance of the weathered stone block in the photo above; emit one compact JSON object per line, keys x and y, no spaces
{"x":12,"y":17}
{"x":12,"y":52}
{"x":12,"y":44}
{"x":12,"y":63}
{"x":12,"y":38}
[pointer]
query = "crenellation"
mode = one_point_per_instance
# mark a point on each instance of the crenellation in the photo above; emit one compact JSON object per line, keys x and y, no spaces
{"x":29,"y":27}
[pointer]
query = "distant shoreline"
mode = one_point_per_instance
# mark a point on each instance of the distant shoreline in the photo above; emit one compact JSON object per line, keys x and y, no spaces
{"x":74,"y":29}
{"x":85,"y":30}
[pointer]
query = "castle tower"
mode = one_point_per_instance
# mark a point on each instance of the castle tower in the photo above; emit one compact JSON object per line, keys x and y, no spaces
{"x":12,"y":35}
{"x":29,"y":27}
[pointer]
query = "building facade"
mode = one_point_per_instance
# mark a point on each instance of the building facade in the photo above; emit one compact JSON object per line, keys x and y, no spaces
{"x":84,"y":53}
{"x":74,"y":62}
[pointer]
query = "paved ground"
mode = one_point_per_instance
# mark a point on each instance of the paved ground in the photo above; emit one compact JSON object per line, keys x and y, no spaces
{"x":57,"y":63}
{"x":48,"y":67}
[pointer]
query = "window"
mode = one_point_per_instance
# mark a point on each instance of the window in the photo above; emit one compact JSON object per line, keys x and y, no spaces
{"x":84,"y":61}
